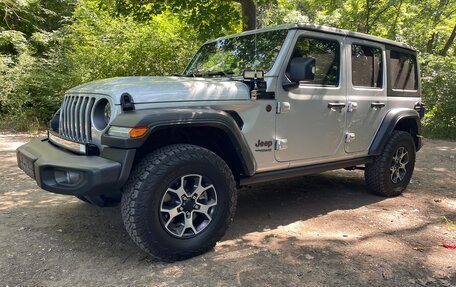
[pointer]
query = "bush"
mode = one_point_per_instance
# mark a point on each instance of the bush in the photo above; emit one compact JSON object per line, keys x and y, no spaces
{"x":439,"y":94}
{"x":94,"y":45}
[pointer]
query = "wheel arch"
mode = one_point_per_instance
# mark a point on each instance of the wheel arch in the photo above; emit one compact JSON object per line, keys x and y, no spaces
{"x":218,"y":131}
{"x":406,"y":120}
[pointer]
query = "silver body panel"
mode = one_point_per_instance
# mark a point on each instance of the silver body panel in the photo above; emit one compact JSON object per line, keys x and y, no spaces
{"x":166,"y":89}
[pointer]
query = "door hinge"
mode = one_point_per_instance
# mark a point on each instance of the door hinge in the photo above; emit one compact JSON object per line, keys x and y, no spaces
{"x":281,"y":144}
{"x":349,"y":137}
{"x":283,"y":107}
{"x":352,"y":106}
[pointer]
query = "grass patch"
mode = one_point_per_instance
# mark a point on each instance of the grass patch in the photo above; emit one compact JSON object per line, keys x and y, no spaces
{"x":21,"y":124}
{"x":448,"y":222}
{"x":442,"y":133}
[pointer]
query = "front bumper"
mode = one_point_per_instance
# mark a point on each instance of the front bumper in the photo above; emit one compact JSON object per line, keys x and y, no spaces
{"x":60,"y":171}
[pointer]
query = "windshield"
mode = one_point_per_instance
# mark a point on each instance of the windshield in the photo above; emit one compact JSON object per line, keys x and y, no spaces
{"x":230,"y":57}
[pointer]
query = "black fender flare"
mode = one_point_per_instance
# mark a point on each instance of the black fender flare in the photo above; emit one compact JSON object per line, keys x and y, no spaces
{"x":388,"y":125}
{"x":162,"y":118}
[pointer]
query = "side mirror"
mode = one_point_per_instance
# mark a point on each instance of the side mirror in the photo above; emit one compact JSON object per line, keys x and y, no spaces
{"x":301,"y":69}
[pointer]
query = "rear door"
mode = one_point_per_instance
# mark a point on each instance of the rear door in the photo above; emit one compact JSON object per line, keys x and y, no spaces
{"x":366,"y":91}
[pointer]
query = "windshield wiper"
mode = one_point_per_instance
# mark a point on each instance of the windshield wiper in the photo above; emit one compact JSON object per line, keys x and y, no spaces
{"x":221,"y":73}
{"x":227,"y":74}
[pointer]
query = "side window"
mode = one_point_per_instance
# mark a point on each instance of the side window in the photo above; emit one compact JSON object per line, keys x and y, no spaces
{"x":403,"y":69}
{"x":325,"y":56}
{"x":367,"y":66}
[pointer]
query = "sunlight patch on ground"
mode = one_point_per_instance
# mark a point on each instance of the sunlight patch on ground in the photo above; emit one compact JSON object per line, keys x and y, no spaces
{"x":10,"y":146}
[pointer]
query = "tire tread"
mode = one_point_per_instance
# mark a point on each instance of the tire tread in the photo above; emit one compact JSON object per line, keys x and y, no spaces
{"x":154,"y":165}
{"x":376,"y":172}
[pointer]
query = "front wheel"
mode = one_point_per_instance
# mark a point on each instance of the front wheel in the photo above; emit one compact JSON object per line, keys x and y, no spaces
{"x":179,"y":202}
{"x":391,"y":171}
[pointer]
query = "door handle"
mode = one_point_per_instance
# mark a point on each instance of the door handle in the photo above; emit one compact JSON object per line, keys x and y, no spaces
{"x":377,"y":105}
{"x":335,"y":106}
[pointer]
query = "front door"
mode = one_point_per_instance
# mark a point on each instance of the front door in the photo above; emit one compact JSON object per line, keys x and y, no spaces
{"x":311,"y":120}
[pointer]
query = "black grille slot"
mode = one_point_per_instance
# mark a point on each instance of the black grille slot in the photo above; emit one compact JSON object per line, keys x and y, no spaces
{"x":75,"y":118}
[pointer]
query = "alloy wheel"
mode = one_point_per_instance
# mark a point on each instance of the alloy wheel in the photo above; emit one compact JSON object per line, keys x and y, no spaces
{"x":188,"y":205}
{"x":398,"y":168}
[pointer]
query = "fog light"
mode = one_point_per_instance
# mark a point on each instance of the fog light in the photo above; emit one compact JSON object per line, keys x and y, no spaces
{"x":66,"y":176}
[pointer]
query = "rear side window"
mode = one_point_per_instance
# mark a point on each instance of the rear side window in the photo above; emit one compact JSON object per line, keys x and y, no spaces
{"x":326,"y":55}
{"x":403,"y":69}
{"x":367,"y":66}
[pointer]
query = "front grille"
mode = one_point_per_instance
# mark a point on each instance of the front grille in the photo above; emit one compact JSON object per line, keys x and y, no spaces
{"x":75,"y":118}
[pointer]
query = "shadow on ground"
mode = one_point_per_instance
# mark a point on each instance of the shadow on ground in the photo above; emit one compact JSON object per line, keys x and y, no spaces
{"x":318,"y":230}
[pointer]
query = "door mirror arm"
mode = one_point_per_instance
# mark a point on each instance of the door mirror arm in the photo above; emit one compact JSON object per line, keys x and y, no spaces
{"x":287,"y":84}
{"x":299,"y":69}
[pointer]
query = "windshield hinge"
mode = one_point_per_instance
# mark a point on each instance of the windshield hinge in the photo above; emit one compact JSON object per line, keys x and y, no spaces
{"x":253,"y":94}
{"x":126,"y":101}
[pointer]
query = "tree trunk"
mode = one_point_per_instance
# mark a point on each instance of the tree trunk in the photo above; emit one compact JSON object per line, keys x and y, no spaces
{"x":435,"y":20}
{"x":394,"y":26}
{"x":430,"y":44}
{"x":448,"y":44}
{"x":248,"y":14}
{"x":368,"y":12}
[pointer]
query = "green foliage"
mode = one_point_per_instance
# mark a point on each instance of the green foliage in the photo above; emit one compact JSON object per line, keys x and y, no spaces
{"x":36,"y":71}
{"x":101,"y":46}
{"x":439,"y":92}
{"x":49,"y":46}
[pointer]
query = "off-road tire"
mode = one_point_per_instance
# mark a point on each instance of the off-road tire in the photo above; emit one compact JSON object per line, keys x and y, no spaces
{"x":142,"y":195}
{"x":377,"y":173}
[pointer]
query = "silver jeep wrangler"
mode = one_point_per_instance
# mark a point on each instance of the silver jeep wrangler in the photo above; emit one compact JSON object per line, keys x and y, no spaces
{"x":259,"y":106}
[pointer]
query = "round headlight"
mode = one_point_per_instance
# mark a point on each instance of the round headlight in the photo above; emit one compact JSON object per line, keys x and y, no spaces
{"x":101,"y":114}
{"x":107,"y":113}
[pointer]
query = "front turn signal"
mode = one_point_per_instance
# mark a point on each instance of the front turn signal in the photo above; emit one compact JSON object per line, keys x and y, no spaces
{"x":137,"y":132}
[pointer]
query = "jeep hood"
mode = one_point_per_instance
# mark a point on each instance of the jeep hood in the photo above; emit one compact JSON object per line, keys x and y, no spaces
{"x":166,"y":89}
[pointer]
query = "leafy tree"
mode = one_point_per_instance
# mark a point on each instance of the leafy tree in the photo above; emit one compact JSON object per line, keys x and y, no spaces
{"x":48,"y":46}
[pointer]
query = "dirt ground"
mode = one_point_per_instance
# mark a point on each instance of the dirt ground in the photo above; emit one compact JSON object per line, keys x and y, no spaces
{"x":320,"y":230}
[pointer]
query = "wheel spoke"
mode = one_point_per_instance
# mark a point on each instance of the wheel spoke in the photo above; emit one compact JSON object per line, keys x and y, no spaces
{"x":393,"y":174}
{"x":188,"y":223}
{"x":204,"y":209}
{"x":173,"y":212}
{"x":200,"y":190}
{"x":401,"y":171}
{"x":396,"y":156}
{"x":179,"y":192}
{"x":404,"y":159}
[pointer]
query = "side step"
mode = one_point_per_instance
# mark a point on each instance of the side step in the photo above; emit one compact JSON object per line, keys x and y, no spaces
{"x":303,"y":170}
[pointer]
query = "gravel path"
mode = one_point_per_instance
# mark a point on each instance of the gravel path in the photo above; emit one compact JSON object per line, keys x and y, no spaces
{"x":320,"y":230}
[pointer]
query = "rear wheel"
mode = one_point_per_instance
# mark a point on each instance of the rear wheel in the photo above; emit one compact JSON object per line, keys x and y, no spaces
{"x":391,"y":171}
{"x":179,"y":201}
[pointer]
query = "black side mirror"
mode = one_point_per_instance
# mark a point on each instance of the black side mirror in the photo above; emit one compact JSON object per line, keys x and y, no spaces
{"x":301,"y":69}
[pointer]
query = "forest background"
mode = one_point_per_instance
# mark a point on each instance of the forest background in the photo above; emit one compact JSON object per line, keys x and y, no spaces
{"x":49,"y":46}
